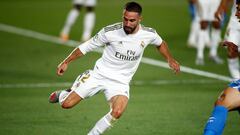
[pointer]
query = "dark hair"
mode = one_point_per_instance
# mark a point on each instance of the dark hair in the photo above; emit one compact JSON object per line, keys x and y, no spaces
{"x":238,"y":1}
{"x":133,"y":7}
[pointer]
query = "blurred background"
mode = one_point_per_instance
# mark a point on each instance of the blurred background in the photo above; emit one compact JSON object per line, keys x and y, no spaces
{"x":161,"y":102}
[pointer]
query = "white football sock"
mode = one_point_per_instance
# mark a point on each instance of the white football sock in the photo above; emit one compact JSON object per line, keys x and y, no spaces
{"x":89,"y":22}
{"x":207,"y":38}
{"x":194,"y":30}
{"x":63,"y":95}
{"x":215,"y":39}
{"x":102,"y":125}
{"x":72,"y":16}
{"x":233,"y":65}
{"x":201,"y":43}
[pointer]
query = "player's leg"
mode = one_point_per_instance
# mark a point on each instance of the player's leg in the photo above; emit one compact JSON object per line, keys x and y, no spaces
{"x":89,"y":22}
{"x":215,"y":40}
{"x":203,"y":12}
{"x":194,"y":33}
{"x":233,"y":61}
{"x":84,"y":86}
{"x":69,"y":100}
{"x":71,"y":18}
{"x":54,"y":97}
{"x":203,"y":34}
{"x":232,"y":39}
{"x":215,"y":32}
{"x":233,"y":66}
{"x":89,"y":19}
{"x":194,"y":26}
{"x":228,"y":100}
{"x":117,"y":95}
{"x":118,"y":105}
{"x":66,"y":98}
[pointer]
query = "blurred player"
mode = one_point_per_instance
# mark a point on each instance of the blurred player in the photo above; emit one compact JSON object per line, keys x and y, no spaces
{"x":238,"y":10}
{"x":89,"y":19}
{"x":195,"y":26}
{"x":229,"y":99}
{"x":231,"y":37}
{"x":124,"y":45}
{"x":206,"y":10}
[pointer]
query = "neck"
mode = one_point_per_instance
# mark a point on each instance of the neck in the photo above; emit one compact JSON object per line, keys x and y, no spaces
{"x":136,"y":30}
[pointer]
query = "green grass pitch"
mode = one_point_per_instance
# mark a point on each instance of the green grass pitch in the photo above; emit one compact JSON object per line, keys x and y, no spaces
{"x":180,"y":108}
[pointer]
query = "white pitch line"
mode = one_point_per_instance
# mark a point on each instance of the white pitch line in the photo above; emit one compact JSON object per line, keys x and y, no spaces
{"x":186,"y":69}
{"x":35,"y":35}
{"x":71,"y":43}
{"x":35,"y":85}
{"x":164,"y":82}
{"x":134,"y":83}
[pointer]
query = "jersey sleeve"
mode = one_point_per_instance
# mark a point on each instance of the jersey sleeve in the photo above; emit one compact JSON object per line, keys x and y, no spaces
{"x":97,"y":41}
{"x":157,"y":40}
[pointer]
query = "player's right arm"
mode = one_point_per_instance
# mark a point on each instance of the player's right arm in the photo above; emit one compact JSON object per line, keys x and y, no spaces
{"x":62,"y":67}
{"x":97,"y":41}
{"x":222,"y":8}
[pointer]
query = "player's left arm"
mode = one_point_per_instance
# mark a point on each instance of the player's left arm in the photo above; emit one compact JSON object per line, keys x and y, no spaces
{"x":232,"y":48}
{"x":173,"y":64}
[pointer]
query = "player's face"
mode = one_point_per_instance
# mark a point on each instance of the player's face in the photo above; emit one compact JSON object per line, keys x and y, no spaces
{"x":238,"y":12}
{"x":131,"y":21}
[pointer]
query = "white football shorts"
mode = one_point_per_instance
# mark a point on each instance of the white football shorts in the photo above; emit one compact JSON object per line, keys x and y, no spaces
{"x":91,"y":3}
{"x":207,"y":9}
{"x":90,"y":83}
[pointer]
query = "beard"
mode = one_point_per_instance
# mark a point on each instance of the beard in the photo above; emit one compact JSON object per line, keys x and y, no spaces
{"x":129,"y":30}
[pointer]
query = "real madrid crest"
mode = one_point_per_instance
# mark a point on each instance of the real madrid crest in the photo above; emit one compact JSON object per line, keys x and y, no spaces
{"x":142,"y":44}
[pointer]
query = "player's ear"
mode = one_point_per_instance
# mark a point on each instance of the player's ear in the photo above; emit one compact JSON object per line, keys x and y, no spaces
{"x":140,"y":18}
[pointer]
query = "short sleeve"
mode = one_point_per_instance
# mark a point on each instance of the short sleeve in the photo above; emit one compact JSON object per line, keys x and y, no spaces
{"x":96,"y":41}
{"x":157,"y":40}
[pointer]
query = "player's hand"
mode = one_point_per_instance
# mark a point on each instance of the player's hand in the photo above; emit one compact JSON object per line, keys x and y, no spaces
{"x":62,"y":67}
{"x":219,"y":14}
{"x":174,"y":65}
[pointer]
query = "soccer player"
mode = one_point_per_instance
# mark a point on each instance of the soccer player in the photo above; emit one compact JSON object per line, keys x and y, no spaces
{"x":238,"y":10}
{"x":228,"y":100}
{"x":124,"y":44}
{"x":231,"y":37}
{"x":89,"y":19}
{"x":206,"y":10}
{"x":195,"y":26}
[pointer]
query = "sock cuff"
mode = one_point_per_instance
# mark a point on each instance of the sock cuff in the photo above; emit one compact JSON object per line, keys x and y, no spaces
{"x":90,"y":13}
{"x":110,"y":119}
{"x":75,"y":10}
{"x":221,"y":108}
{"x":233,"y":60}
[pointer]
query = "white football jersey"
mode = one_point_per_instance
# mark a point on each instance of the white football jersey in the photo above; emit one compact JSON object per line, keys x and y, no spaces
{"x":233,"y":22}
{"x":122,"y":52}
{"x":233,"y":30}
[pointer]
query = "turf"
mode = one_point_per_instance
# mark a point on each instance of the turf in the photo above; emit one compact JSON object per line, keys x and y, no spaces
{"x":159,"y":109}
